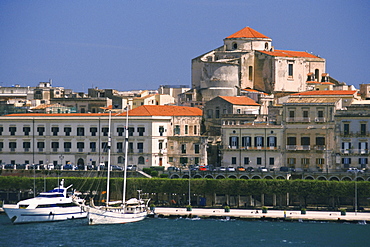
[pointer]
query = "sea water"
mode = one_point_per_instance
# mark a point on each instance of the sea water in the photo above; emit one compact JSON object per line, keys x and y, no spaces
{"x":184,"y":232}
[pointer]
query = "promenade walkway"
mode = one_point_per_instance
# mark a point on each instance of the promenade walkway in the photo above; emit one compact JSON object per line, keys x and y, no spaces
{"x":258,"y":215}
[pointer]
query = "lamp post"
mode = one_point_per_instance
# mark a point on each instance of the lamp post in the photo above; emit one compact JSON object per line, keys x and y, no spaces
{"x":356,"y":191}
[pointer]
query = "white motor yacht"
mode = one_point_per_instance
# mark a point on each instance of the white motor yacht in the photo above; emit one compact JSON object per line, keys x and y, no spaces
{"x":53,"y":205}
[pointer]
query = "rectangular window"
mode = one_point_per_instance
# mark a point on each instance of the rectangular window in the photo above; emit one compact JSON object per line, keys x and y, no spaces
{"x":140,"y":147}
{"x":130,"y":147}
{"x":67,"y":131}
{"x":41,"y":146}
{"x":346,"y":129}
{"x":161,"y":130}
{"x":105,"y":131}
{"x":362,"y":162}
{"x":93,"y":131}
{"x":363,"y":129}
{"x":305,"y":141}
{"x":41,"y":130}
{"x":217,"y":112}
{"x":12,"y":130}
{"x":291,"y":162}
{"x":291,"y":114}
{"x":26,"y":146}
{"x":120,"y":147}
{"x":1,"y":146}
{"x":259,"y":161}
{"x":183,"y":148}
{"x":246,"y":160}
{"x":80,"y":131}
{"x":272,"y":141}
{"x":93,"y":146}
{"x":186,"y":129}
{"x":177,"y":130}
{"x":292,"y":140}
{"x":305,"y":114}
{"x":196,"y":148}
{"x":320,"y":141}
{"x":80,"y":146}
{"x":141,"y":131}
{"x":290,"y":70}
{"x":250,"y":73}
{"x":246,"y":141}
{"x":120,"y":131}
{"x":271,"y":161}
{"x":195,"y":130}
{"x":55,"y":131}
{"x":1,"y":130}
{"x":233,"y":160}
{"x":26,"y":131}
{"x":131,"y":131}
{"x":54,"y":146}
{"x":67,"y":146}
{"x":104,"y":146}
{"x":346,"y":162}
{"x":258,"y":141}
{"x":234,"y":142}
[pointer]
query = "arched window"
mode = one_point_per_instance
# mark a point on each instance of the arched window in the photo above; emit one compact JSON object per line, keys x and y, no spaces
{"x":317,"y":75}
{"x":121,"y":160}
{"x":141,"y":160}
{"x":235,"y":46}
{"x":266,"y":46}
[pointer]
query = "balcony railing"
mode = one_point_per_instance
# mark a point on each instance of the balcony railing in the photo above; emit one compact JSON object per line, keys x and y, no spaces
{"x":298,"y":120}
{"x":354,"y":151}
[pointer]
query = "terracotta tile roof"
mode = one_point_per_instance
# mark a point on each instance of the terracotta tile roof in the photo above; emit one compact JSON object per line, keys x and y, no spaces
{"x":253,"y":91}
{"x":241,"y":100}
{"x":247,"y":32}
{"x":285,"y":53}
{"x":164,"y":110}
{"x":326,"y":92}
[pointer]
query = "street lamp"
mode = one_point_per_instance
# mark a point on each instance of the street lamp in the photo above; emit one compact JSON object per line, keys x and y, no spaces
{"x":356,"y":191}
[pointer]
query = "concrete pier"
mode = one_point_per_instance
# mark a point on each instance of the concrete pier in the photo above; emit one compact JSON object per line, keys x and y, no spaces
{"x":273,"y":215}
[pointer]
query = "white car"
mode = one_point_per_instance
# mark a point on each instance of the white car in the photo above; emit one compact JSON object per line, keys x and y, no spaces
{"x":354,"y":170}
{"x":231,"y":169}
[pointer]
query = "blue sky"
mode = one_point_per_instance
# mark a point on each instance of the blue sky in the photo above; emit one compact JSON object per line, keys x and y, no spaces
{"x":128,"y":45}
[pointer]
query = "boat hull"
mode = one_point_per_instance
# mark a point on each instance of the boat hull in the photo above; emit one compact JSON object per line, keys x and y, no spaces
{"x":98,"y":216}
{"x":18,"y":216}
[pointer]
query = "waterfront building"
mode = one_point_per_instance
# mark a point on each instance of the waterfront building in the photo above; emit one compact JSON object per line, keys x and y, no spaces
{"x":81,"y":139}
{"x":353,"y":136}
{"x":247,"y":59}
{"x":252,"y":144}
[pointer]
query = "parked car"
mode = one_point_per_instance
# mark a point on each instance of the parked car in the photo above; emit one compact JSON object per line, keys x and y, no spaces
{"x":231,"y":169}
{"x":116,"y":168}
{"x":222,"y":169}
{"x":131,"y":167}
{"x":354,"y":170}
{"x":287,"y":169}
{"x":9,"y":166}
{"x":68,"y":167}
{"x":21,"y":166}
{"x":250,"y":169}
{"x":173,"y":169}
{"x":262,"y":169}
{"x":240,"y":169}
{"x":202,"y":168}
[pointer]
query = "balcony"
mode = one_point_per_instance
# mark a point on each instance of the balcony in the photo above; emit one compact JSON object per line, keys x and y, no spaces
{"x":298,"y":120}
{"x":355,"y":151}
{"x":26,"y":149}
{"x":120,"y":150}
{"x":55,"y":149}
{"x":320,"y":147}
{"x":320,"y":120}
{"x":80,"y":150}
{"x":93,"y":150}
{"x":67,"y":150}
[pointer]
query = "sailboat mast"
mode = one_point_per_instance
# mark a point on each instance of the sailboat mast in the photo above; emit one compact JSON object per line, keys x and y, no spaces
{"x":109,"y":147}
{"x":126,"y":158}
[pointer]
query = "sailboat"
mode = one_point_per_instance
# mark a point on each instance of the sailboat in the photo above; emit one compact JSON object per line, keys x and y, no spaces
{"x":132,"y":210}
